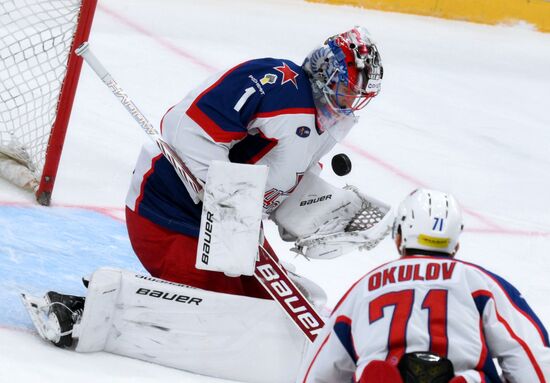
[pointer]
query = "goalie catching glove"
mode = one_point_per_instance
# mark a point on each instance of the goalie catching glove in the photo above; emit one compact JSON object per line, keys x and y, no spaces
{"x":326,"y":222}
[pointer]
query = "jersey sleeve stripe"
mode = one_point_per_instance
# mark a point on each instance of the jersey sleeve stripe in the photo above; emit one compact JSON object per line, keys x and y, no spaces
{"x":315,"y":358}
{"x":282,"y":112}
{"x":342,"y":329}
{"x":484,"y":351}
{"x":485,"y":365}
{"x":513,"y":335}
{"x":216,"y":132}
{"x":272,"y":142}
{"x":144,"y":182}
{"x":526,"y":311}
{"x":210,"y":127}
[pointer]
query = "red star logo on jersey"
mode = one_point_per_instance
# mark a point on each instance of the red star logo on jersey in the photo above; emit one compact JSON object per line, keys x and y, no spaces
{"x":288,"y":74}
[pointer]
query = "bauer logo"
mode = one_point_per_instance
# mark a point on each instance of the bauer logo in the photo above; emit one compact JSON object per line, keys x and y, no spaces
{"x":315,"y":200}
{"x":208,"y":226}
{"x":168,"y":296}
{"x":303,"y":131}
{"x":288,"y":295}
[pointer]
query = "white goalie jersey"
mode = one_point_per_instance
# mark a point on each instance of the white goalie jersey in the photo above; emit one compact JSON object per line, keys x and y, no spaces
{"x":453,"y":308}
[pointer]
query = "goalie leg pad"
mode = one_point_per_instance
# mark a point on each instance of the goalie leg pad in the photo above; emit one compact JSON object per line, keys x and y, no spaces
{"x":214,"y":334}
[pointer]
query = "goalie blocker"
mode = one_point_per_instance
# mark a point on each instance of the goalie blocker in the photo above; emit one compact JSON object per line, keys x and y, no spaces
{"x":231,"y":218}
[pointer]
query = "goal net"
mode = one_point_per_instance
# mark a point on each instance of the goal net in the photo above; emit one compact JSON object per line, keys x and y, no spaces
{"x":38,"y":77}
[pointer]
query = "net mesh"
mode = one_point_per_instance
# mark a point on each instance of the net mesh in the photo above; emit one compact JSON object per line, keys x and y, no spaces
{"x":366,"y":219}
{"x":35,"y":39}
{"x":369,"y":216}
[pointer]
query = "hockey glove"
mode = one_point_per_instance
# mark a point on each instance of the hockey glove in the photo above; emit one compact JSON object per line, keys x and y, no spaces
{"x":326,"y":221}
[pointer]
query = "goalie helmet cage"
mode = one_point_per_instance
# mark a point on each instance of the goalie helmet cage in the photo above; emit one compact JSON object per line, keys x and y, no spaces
{"x":39,"y":73}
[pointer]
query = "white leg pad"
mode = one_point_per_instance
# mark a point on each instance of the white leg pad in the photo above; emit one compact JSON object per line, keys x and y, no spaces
{"x":99,"y":310}
{"x":214,"y":334}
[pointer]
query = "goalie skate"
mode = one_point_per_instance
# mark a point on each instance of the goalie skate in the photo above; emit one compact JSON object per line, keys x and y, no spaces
{"x":54,"y":316}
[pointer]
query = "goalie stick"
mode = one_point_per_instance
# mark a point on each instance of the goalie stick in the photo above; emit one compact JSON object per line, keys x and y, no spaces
{"x":267,"y":271}
{"x":188,"y":179}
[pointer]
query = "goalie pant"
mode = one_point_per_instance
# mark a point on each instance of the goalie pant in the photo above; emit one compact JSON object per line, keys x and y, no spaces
{"x":170,"y":255}
{"x":455,"y":309}
{"x":220,"y":335}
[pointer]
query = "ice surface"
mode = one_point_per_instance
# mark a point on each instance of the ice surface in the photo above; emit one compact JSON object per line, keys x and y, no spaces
{"x":463,"y":108}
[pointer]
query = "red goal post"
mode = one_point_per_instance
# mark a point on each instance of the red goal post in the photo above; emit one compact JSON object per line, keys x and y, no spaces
{"x":39,"y":73}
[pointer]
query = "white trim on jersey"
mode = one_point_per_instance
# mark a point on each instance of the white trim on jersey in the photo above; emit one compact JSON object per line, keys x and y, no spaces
{"x":407,"y":301}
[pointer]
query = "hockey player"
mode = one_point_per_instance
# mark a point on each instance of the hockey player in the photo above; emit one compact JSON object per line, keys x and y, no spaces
{"x":428,"y":317}
{"x":268,"y":112}
{"x":265,"y":111}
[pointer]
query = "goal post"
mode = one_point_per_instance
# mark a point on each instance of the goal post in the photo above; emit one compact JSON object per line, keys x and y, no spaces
{"x":39,"y":74}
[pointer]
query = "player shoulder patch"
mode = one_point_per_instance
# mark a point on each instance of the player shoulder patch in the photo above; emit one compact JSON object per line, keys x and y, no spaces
{"x":288,"y":74}
{"x":269,"y":78}
{"x":303,"y":131}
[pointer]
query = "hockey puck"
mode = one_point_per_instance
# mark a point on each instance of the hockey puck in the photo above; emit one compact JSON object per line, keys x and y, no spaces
{"x":341,"y":164}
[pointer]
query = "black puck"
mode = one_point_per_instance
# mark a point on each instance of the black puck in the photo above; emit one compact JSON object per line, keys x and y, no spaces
{"x":341,"y":164}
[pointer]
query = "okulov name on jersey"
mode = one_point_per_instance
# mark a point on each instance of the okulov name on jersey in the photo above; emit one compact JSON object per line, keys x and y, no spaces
{"x":431,"y":271}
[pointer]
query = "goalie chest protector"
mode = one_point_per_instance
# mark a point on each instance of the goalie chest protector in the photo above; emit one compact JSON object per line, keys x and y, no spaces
{"x":259,"y":112}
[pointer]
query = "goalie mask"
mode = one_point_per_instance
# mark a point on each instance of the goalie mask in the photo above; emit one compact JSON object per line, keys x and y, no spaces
{"x":429,"y":220}
{"x":346,"y":73}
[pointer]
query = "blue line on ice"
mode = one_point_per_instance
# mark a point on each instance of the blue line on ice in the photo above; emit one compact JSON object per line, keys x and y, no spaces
{"x":45,"y":249}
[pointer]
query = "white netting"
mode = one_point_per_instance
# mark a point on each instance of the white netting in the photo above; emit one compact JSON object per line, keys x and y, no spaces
{"x":369,"y":216}
{"x":35,"y":38}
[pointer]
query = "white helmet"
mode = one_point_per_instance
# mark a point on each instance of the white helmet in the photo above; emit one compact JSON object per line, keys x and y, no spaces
{"x":430,"y":220}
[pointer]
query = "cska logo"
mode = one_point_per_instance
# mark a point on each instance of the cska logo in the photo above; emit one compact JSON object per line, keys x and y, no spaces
{"x":288,"y":74}
{"x":272,"y":196}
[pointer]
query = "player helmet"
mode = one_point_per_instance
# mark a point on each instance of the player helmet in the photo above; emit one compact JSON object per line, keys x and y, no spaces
{"x":429,"y":220}
{"x":346,"y":69}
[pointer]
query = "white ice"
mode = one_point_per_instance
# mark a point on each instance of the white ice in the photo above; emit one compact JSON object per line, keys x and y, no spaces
{"x":464,"y":108}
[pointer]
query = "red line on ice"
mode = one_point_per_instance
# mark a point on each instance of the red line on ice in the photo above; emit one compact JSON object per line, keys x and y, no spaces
{"x":116,"y":213}
{"x":165,"y":43}
{"x":493,"y":227}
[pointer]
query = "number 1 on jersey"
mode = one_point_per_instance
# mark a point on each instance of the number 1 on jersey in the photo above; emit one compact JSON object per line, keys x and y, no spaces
{"x":247,"y":93}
